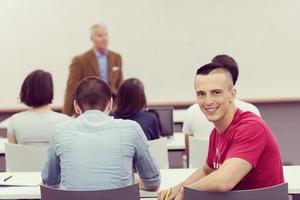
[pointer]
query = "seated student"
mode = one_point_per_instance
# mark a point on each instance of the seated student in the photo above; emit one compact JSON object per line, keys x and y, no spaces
{"x":243,"y":153}
{"x":131,"y":104}
{"x":96,"y":151}
{"x":195,"y":123}
{"x":35,"y":126}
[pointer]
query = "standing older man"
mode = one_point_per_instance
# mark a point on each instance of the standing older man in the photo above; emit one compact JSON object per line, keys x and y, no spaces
{"x":99,"y":61}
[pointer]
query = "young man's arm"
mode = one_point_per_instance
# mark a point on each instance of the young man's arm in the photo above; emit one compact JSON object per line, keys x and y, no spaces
{"x":51,"y":171}
{"x":145,"y":164}
{"x":221,"y":180}
{"x":197,"y":175}
{"x":225,"y":178}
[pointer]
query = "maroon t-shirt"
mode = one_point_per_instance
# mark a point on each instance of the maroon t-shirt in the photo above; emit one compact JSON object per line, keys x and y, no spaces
{"x":250,"y":139}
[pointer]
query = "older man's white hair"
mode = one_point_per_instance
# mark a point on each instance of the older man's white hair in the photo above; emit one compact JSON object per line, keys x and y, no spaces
{"x":94,"y":28}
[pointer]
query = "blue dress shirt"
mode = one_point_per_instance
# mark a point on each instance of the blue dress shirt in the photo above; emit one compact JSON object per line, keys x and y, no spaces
{"x":103,"y":64}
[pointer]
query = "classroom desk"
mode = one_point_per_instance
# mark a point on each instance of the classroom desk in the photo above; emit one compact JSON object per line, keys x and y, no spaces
{"x":170,"y":177}
{"x":179,"y":115}
{"x":175,"y":145}
{"x":2,"y":154}
{"x":176,"y":142}
{"x":2,"y":142}
{"x":176,"y":149}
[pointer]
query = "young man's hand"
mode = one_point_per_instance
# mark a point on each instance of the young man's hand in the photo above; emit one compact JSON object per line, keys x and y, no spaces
{"x":172,"y":196}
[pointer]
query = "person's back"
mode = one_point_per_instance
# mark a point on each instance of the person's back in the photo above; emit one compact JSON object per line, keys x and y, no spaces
{"x":35,"y":125}
{"x":147,"y":120}
{"x":96,"y":151}
{"x":131,"y":104}
{"x":197,"y":125}
{"x":30,"y":127}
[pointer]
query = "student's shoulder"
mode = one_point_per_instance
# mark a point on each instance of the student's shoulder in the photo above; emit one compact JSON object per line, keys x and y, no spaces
{"x":245,"y":106}
{"x":20,"y":116}
{"x":147,"y":115}
{"x":125,"y":123}
{"x":60,"y":116}
{"x":128,"y":127}
{"x":64,"y":124}
{"x":250,"y":122}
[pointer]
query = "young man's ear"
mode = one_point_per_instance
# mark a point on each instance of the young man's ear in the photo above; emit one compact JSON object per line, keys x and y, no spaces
{"x":233,"y":94}
{"x":109,"y":106}
{"x":77,"y":108}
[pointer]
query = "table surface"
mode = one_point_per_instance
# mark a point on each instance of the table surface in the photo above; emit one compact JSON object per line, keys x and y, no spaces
{"x":170,"y":177}
{"x":2,"y":141}
{"x":175,"y":142}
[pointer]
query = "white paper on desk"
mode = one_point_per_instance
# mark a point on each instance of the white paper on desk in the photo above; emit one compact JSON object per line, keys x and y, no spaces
{"x":148,"y":194}
{"x":2,"y":142}
{"x":21,"y":179}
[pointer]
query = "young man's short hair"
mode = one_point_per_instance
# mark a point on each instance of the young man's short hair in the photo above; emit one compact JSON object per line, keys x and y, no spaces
{"x":92,"y":93}
{"x":37,"y":89}
{"x":230,"y":63}
{"x":212,"y":67}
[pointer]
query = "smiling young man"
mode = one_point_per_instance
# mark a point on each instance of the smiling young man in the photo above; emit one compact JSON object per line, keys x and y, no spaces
{"x":243,"y":153}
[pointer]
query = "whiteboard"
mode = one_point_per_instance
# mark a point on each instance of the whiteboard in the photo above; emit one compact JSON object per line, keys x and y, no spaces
{"x":162,"y":42}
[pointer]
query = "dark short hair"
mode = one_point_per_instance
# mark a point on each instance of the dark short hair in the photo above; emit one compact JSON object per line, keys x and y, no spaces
{"x":230,"y":63}
{"x":206,"y":69}
{"x":131,"y":97}
{"x":92,"y":93}
{"x":37,"y":89}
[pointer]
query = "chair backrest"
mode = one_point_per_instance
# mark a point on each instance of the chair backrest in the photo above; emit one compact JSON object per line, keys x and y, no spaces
{"x":277,"y":192}
{"x":129,"y":192}
{"x":25,"y":157}
{"x":159,"y":151}
{"x":197,"y":152}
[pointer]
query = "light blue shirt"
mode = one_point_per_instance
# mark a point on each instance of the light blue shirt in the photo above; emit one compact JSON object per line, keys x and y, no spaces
{"x":33,"y":127}
{"x":103,"y":64}
{"x":96,"y":151}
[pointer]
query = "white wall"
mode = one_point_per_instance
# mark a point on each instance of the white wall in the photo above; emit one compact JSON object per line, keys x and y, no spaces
{"x":162,"y":42}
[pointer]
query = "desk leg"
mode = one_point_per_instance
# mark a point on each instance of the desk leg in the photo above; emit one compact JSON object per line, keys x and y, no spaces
{"x":175,"y":158}
{"x":2,"y":163}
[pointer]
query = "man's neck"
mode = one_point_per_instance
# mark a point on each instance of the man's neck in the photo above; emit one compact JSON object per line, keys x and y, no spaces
{"x":223,"y":124}
{"x":44,"y":108}
{"x":102,"y":51}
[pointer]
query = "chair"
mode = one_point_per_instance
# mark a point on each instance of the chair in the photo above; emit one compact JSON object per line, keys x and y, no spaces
{"x":129,"y":192}
{"x":277,"y":192}
{"x":197,"y":152}
{"x":159,"y":151}
{"x":25,"y":157}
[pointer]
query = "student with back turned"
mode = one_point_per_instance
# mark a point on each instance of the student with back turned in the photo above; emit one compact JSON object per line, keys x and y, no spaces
{"x":35,"y":125}
{"x":131,"y":103}
{"x":96,"y":151}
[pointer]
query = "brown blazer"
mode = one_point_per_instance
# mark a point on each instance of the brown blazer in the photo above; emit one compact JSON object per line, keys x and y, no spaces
{"x":86,"y":65}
